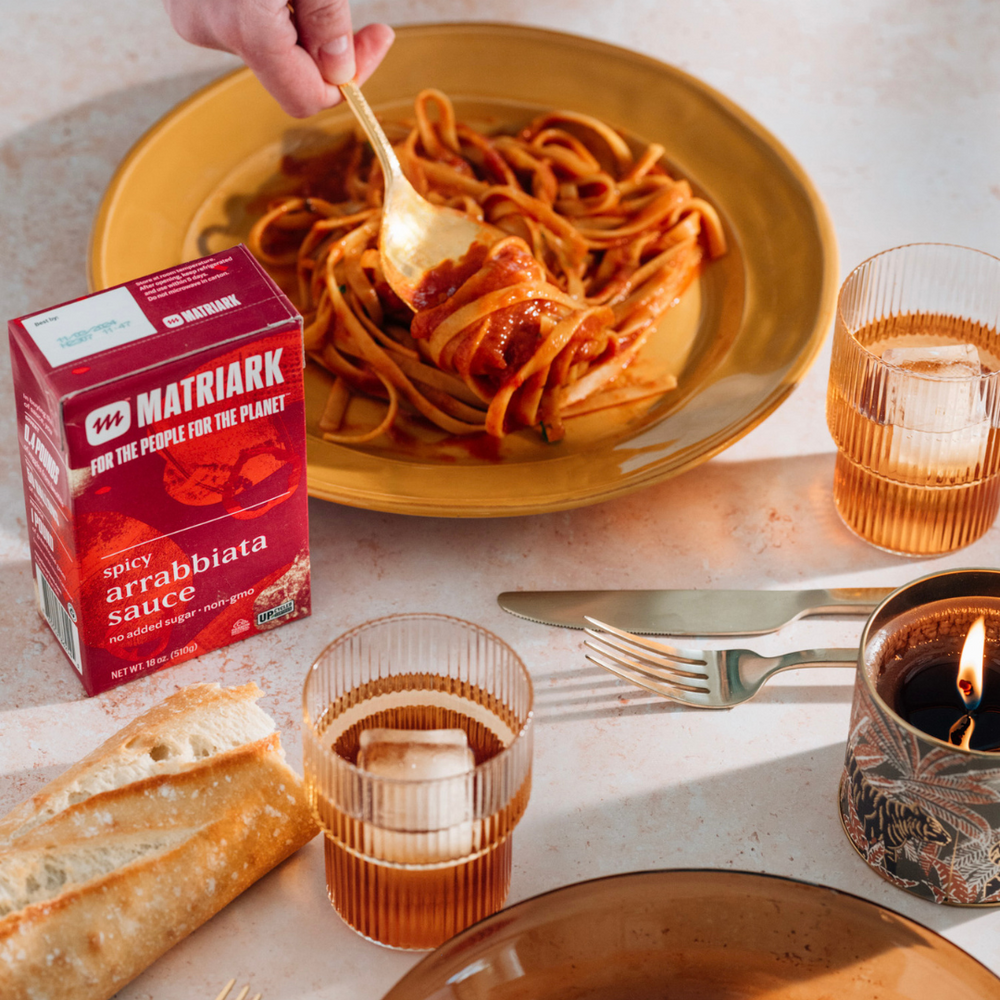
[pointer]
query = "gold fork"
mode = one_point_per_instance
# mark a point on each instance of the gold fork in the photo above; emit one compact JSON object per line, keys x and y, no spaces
{"x":415,"y":235}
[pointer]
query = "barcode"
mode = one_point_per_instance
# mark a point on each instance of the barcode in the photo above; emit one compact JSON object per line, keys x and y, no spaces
{"x":59,"y":621}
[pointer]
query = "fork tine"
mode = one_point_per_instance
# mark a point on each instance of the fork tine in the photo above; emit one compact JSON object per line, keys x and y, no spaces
{"x":661,"y":671}
{"x":639,"y":669}
{"x":663,"y":688}
{"x":648,"y":662}
{"x":647,"y":645}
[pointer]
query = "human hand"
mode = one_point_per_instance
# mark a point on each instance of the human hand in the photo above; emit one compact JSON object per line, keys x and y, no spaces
{"x":300,"y":58}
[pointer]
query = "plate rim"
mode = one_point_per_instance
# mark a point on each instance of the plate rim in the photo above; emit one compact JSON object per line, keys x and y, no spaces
{"x":507,"y":912}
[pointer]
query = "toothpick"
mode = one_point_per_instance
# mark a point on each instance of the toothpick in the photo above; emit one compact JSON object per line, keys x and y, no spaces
{"x":226,"y":989}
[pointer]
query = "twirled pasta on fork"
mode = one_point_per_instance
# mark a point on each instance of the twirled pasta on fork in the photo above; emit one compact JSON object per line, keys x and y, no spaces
{"x":540,"y":326}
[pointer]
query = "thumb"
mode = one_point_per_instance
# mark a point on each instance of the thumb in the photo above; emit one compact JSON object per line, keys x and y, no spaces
{"x":324,"y":28}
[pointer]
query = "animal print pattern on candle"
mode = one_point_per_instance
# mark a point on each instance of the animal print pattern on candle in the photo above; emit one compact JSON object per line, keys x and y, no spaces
{"x":924,"y":817}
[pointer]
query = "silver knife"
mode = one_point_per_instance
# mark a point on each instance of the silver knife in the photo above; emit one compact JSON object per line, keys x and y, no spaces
{"x":689,"y":612}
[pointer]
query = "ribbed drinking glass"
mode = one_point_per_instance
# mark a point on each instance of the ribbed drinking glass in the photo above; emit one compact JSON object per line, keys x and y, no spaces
{"x":415,"y":855}
{"x":914,"y":398}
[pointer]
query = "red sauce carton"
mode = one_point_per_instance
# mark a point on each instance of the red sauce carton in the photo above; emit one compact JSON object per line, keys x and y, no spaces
{"x":162,"y":438}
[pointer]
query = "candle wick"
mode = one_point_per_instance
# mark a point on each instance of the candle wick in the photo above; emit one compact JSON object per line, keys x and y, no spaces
{"x":960,"y":734}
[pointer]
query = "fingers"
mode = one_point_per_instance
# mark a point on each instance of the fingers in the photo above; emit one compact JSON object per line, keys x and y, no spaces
{"x":298,"y":61}
{"x":371,"y":44}
{"x":325,"y":33}
{"x":293,"y":79}
{"x":196,"y":25}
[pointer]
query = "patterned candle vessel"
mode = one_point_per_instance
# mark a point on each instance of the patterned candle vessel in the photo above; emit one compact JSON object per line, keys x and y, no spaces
{"x":922,"y":812}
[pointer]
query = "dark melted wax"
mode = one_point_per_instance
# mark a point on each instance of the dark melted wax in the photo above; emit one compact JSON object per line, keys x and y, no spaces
{"x":929,"y":699}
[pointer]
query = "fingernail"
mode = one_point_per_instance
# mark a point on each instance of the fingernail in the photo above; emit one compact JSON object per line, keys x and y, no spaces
{"x":336,"y":60}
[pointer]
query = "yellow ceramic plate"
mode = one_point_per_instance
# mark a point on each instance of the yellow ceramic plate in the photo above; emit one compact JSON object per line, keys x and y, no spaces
{"x":738,"y":342}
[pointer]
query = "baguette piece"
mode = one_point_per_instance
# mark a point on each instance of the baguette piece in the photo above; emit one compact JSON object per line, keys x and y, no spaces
{"x":142,"y":841}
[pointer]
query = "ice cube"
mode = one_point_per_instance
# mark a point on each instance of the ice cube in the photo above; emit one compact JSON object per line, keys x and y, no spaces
{"x":936,"y":404}
{"x":934,"y":388}
{"x":424,"y":813}
{"x":415,"y":753}
{"x":944,"y":361}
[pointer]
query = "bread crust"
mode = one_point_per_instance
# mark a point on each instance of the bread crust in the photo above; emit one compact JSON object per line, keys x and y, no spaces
{"x":127,"y":753}
{"x":197,"y":833}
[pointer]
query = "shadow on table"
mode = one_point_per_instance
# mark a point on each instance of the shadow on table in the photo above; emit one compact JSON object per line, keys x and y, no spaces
{"x":53,"y":175}
{"x":590,"y":694}
{"x":778,"y":817}
{"x":35,"y":671}
{"x":757,"y":520}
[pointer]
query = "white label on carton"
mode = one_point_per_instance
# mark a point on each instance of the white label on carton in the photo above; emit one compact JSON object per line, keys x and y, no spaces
{"x":89,"y":326}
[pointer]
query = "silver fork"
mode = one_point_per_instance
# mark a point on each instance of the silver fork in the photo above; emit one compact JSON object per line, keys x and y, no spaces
{"x":700,"y":678}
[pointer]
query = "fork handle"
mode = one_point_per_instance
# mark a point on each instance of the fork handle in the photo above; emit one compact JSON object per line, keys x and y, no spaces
{"x":356,"y":101}
{"x":755,"y":672}
{"x":819,"y":658}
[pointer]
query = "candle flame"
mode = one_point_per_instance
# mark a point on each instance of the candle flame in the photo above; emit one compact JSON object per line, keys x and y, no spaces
{"x":970,"y":671}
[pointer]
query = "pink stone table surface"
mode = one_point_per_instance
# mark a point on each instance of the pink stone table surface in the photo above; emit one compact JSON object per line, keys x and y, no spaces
{"x":891,"y":107}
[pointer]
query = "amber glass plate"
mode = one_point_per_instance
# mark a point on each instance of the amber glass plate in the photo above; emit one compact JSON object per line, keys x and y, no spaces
{"x":738,"y":342}
{"x":697,"y":935}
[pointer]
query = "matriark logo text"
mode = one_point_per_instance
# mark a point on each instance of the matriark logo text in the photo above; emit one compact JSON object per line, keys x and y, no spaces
{"x":200,"y":312}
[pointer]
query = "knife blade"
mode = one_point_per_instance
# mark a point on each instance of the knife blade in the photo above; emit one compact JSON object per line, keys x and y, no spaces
{"x":689,"y":612}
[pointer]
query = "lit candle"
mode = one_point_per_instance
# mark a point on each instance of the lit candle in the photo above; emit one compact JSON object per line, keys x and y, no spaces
{"x":955,"y":702}
{"x":970,"y":683}
{"x":917,"y":796}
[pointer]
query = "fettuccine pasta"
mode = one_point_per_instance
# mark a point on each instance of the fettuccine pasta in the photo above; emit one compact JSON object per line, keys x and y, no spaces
{"x":598,"y":243}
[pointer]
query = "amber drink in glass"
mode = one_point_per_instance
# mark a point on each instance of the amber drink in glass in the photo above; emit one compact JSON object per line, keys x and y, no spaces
{"x":417,"y":744}
{"x":914,"y":398}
